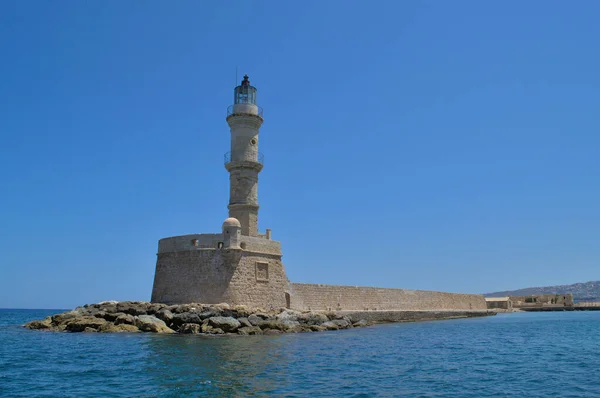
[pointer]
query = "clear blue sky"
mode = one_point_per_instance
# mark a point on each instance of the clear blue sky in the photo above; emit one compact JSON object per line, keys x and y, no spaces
{"x":424,"y":145}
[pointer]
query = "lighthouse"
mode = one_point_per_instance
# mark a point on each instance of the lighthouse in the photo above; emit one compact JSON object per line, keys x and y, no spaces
{"x":244,"y":161}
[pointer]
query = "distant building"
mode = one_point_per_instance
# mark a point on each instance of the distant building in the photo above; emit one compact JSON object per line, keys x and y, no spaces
{"x":499,"y":303}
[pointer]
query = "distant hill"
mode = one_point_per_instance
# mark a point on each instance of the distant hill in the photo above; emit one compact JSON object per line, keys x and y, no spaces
{"x":588,"y":291}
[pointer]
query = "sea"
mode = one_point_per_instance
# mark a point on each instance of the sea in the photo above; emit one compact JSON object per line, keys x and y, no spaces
{"x":551,"y":354}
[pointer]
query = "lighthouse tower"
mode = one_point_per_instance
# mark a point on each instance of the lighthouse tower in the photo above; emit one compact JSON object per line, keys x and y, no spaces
{"x":244,"y":162}
{"x":237,"y":265}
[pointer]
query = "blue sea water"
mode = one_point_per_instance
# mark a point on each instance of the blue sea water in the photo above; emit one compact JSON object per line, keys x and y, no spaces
{"x":509,"y":355}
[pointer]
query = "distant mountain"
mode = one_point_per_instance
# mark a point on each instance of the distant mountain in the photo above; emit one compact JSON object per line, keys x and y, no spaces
{"x":588,"y":291}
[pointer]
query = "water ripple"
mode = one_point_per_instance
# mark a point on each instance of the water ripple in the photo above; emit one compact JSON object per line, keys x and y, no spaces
{"x":513,"y":355}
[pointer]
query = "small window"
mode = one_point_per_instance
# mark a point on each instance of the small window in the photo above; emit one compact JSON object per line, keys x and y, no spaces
{"x":195,"y":242}
{"x":220,"y":245}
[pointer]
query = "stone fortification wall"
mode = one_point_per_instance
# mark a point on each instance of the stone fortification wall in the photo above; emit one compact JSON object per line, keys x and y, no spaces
{"x":356,"y":298}
{"x":195,"y":242}
{"x":194,"y":269}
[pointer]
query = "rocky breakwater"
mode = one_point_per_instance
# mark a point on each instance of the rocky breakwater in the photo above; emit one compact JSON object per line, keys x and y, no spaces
{"x":135,"y":316}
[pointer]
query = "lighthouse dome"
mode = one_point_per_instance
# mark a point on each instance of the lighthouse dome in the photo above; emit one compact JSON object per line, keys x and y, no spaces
{"x":232,"y":222}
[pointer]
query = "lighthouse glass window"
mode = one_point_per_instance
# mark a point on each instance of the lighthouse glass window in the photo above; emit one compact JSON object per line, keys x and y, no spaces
{"x":245,"y":95}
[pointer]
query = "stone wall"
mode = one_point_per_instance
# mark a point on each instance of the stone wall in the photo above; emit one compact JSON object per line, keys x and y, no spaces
{"x":356,"y":298}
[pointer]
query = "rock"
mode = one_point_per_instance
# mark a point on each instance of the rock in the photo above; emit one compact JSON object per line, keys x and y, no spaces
{"x":89,"y":330}
{"x":250,"y":330}
{"x":66,"y":316}
{"x":125,"y":318}
{"x":361,"y":323}
{"x":164,"y":315}
{"x":271,"y":332}
{"x":150,"y":323}
{"x":290,"y":315}
{"x":112,"y":316}
{"x":46,"y":323}
{"x":245,"y":322}
{"x":278,"y":325}
{"x":79,"y":324}
{"x":337,"y":324}
{"x":186,"y":317}
{"x":329,"y":325}
{"x":190,"y":328}
{"x":154,"y":308}
{"x":108,"y":302}
{"x":254,"y":320}
{"x":317,"y":328}
{"x":112,"y":328}
{"x":226,"y":323}
{"x":133,"y":307}
{"x":241,"y":311}
{"x":312,"y":318}
{"x":209,"y":313}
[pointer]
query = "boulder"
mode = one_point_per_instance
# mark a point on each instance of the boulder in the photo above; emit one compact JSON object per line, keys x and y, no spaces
{"x":249,"y":330}
{"x":275,"y":324}
{"x":337,"y":324}
{"x":209,"y":313}
{"x":112,"y":316}
{"x":254,"y":319}
{"x":150,"y":323}
{"x":189,"y":328}
{"x":312,"y":318}
{"x":122,"y":328}
{"x":46,"y":323}
{"x":66,"y":316}
{"x":89,"y":330}
{"x":185,"y":317}
{"x":289,"y":315}
{"x":79,"y":324}
{"x":164,"y":315}
{"x":241,"y":311}
{"x":245,"y":322}
{"x":154,"y":308}
{"x":226,"y":323}
{"x":133,"y":307}
{"x":125,"y":318}
{"x":361,"y":323}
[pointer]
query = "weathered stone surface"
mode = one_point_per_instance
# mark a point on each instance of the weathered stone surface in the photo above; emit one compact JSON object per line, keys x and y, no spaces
{"x":209,"y":313}
{"x":185,"y":317}
{"x":46,"y":323}
{"x":271,"y":331}
{"x":254,"y":320}
{"x":89,"y":330}
{"x":250,"y":330}
{"x":312,"y":318}
{"x":289,"y":315}
{"x":125,"y":318}
{"x":227,"y":324}
{"x":164,"y":315}
{"x":79,"y":324}
{"x":150,"y":323}
{"x":133,"y":307}
{"x":361,"y":323}
{"x":112,"y":316}
{"x":245,"y":322}
{"x":122,"y":328}
{"x":66,"y":316}
{"x":190,"y":328}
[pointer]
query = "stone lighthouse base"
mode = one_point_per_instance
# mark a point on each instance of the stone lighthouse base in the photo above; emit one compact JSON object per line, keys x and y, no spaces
{"x":206,"y":268}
